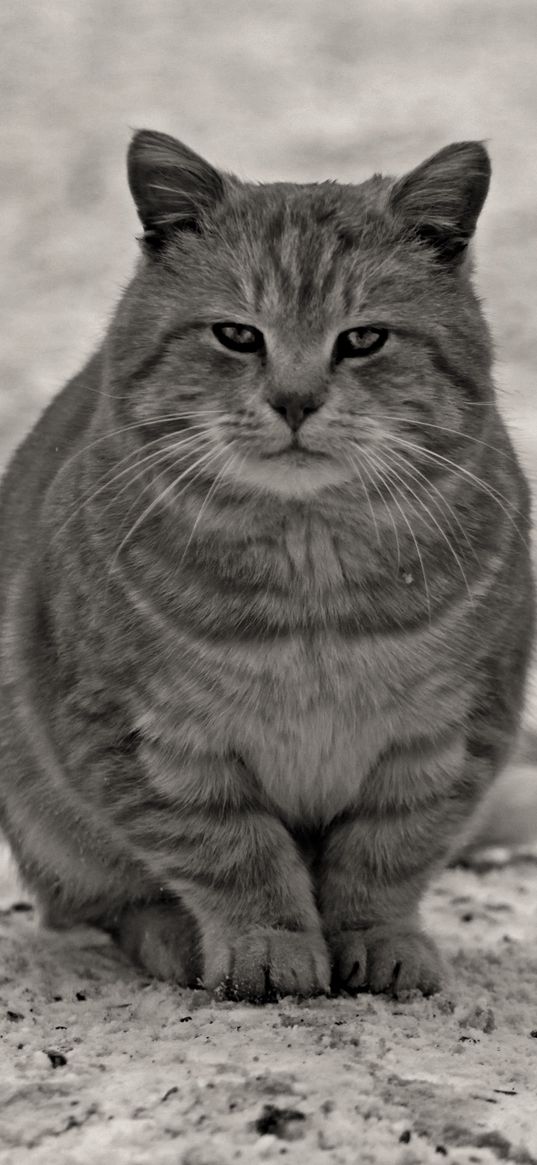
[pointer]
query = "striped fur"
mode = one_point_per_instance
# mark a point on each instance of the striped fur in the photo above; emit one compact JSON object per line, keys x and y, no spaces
{"x":251,"y":702}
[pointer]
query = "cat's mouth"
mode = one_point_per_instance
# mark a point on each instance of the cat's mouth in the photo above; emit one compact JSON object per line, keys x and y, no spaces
{"x":293,"y":471}
{"x":296,"y":453}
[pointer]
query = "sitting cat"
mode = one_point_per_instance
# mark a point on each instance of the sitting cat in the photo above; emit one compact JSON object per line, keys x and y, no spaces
{"x":266,"y":600}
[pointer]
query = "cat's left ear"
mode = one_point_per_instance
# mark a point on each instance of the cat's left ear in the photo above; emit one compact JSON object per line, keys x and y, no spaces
{"x":440,"y":201}
{"x":171,"y":185}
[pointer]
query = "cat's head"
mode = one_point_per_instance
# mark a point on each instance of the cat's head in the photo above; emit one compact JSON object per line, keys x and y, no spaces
{"x":302,"y":332}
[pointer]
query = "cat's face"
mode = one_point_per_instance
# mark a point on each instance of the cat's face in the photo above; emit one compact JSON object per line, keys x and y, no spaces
{"x":308,"y":330}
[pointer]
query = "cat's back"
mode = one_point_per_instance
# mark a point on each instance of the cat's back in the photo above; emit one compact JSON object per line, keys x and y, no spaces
{"x":35,"y":464}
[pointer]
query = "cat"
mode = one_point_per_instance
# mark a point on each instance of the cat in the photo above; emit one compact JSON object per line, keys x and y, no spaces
{"x":265,"y":585}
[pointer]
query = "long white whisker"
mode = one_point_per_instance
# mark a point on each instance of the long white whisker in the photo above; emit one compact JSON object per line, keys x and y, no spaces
{"x":436,"y":523}
{"x":231,"y":461}
{"x":484,"y":486}
{"x":162,"y":457}
{"x":115,"y":477}
{"x":434,"y":456}
{"x":366,"y":491}
{"x":429,"y":485}
{"x":374,"y":462}
{"x":158,"y":457}
{"x":364,"y":454}
{"x":442,"y":428}
{"x":136,"y":425}
{"x":158,"y":501}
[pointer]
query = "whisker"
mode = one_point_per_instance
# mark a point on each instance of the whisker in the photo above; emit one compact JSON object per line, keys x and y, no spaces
{"x":165,"y":417}
{"x":110,"y":480}
{"x":162,"y":456}
{"x":429,"y":485}
{"x":386,"y":506}
{"x":374,"y":462}
{"x":493,"y":493}
{"x":483,"y":404}
{"x":366,"y":491}
{"x":158,"y":500}
{"x":158,"y":457}
{"x":231,"y":461}
{"x":434,"y":456}
{"x":437,"y":524}
{"x":443,"y":429}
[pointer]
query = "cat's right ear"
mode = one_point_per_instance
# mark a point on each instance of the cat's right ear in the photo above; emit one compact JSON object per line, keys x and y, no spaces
{"x":171,"y":185}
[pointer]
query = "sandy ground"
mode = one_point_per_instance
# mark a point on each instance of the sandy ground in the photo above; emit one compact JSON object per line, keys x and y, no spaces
{"x":101,"y":1065}
{"x":97,"y":1064}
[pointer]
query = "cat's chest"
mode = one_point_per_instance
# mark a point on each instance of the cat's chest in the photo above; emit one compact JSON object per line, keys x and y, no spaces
{"x":306,"y":725}
{"x":312,"y":718}
{"x":308,"y":716}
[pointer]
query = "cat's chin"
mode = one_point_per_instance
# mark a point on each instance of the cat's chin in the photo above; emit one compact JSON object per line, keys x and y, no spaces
{"x":293,"y":473}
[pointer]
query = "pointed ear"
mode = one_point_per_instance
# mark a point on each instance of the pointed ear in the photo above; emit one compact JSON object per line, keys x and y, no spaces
{"x":440,"y":200}
{"x":171,"y":185}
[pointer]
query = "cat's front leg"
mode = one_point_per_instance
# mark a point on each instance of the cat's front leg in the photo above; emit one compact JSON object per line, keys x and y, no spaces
{"x":239,"y":874}
{"x":378,"y":861}
{"x":255,"y":962}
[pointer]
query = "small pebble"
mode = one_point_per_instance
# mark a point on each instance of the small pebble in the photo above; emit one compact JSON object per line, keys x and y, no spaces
{"x":265,"y":1145}
{"x":206,"y":1154}
{"x":482,"y":1018}
{"x":285,"y":1123}
{"x":328,"y":1138}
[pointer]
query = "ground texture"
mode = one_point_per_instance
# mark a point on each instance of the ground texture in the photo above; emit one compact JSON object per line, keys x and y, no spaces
{"x":98,"y":1065}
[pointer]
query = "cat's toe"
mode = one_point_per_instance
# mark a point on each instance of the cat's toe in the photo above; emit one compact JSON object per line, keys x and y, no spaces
{"x":402,"y":960}
{"x":349,"y":961}
{"x":268,"y":963}
{"x":387,"y":959}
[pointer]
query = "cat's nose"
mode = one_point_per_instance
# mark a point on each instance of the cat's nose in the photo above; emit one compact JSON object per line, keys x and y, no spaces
{"x":294,"y":410}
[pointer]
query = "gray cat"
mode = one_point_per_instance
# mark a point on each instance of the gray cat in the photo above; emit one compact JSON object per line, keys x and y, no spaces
{"x":266,"y":602}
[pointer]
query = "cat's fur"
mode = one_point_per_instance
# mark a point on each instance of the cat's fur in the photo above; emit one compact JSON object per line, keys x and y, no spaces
{"x":251,"y":699}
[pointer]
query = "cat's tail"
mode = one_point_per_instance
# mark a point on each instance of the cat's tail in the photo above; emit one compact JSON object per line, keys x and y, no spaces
{"x":508,"y":815}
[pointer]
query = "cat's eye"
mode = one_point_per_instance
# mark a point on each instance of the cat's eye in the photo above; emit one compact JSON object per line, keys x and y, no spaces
{"x":360,"y":342}
{"x":239,"y":337}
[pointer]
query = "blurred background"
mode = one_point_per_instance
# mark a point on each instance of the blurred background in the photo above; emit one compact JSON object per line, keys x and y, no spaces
{"x":278,"y":89}
{"x":294,"y":89}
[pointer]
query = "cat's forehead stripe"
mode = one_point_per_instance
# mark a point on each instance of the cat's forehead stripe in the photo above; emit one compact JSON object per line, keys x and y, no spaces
{"x":303,"y":254}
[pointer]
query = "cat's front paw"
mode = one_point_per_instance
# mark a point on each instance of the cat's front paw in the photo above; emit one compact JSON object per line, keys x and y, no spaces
{"x":385,"y":958}
{"x":264,"y":964}
{"x":164,"y":940}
